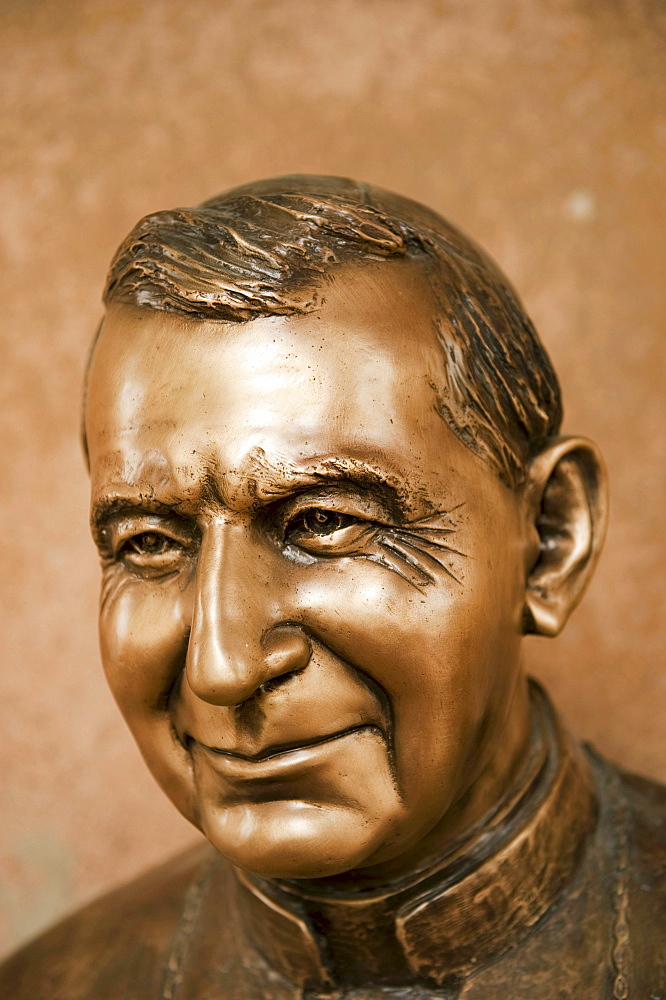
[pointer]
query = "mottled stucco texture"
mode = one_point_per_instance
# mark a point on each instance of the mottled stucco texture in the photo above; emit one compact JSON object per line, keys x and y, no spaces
{"x":539,"y":128}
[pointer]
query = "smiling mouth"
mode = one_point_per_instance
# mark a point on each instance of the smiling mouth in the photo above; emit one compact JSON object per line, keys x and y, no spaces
{"x":277,"y":751}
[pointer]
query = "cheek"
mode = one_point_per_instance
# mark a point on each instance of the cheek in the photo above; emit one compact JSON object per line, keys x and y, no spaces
{"x":143,"y":639}
{"x":437,"y":653}
{"x":371,"y":617}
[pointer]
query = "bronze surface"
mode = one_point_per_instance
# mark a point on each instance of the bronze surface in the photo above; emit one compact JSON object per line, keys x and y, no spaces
{"x":168,"y":936}
{"x":539,"y":130}
{"x":330,"y":499}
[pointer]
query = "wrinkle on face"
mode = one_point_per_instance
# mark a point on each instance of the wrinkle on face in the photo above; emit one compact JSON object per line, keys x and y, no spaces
{"x":414,"y":623}
{"x":259,"y":482}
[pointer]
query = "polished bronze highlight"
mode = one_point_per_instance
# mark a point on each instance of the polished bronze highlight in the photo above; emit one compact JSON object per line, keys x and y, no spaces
{"x":330,"y":500}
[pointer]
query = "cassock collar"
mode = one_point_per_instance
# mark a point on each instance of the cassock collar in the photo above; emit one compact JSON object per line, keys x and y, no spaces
{"x":475,"y":904}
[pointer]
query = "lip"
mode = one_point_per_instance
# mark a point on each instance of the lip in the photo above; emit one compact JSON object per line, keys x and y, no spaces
{"x":279,"y":760}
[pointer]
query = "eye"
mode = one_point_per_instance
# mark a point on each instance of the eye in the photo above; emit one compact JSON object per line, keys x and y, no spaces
{"x":321,"y":522}
{"x":326,"y":532}
{"x":152,"y":549}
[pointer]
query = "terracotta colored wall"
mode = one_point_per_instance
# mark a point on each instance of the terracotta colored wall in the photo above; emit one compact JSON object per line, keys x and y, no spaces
{"x":539,"y":127}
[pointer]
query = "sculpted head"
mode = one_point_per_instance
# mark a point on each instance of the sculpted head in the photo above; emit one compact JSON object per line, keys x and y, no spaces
{"x":330,"y":499}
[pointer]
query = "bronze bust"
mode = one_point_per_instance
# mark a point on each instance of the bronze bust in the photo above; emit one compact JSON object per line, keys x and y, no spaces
{"x":331,"y":499}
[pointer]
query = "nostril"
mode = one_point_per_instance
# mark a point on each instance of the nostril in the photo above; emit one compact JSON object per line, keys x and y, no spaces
{"x":287,"y":650}
{"x":274,"y":683}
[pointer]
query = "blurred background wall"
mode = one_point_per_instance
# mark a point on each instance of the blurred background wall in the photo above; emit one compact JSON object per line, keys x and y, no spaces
{"x":539,"y":128}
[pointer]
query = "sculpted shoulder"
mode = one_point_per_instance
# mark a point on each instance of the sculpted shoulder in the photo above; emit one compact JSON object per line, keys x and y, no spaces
{"x":114,"y":947}
{"x":647,"y":802}
{"x":647,"y":863}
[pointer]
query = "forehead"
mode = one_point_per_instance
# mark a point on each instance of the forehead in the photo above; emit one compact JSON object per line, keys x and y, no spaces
{"x":355,"y":380}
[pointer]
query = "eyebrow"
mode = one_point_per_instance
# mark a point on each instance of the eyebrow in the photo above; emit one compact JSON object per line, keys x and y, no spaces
{"x":272,"y":485}
{"x":266,"y":484}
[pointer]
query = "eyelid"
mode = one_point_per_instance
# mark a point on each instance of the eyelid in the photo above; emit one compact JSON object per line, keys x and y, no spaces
{"x":121,"y":529}
{"x":341,"y":542}
{"x":340,"y":501}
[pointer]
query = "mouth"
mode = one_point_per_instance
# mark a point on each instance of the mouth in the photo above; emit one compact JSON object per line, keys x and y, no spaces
{"x":277,"y":769}
{"x":275,"y":751}
{"x":319,"y":769}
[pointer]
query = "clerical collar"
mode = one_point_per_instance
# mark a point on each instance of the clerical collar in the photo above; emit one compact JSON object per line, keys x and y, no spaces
{"x":475,"y":904}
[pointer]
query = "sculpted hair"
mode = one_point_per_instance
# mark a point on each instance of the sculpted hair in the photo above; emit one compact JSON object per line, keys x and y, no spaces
{"x":267,"y":248}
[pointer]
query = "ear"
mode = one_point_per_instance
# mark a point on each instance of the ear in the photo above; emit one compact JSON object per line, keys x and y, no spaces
{"x":567,"y":503}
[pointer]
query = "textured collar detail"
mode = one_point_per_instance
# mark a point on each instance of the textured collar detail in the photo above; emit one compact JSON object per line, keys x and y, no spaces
{"x":472,"y":907}
{"x":282,"y":935}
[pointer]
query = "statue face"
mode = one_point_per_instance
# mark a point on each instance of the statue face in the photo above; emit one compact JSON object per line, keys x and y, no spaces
{"x":312,"y":592}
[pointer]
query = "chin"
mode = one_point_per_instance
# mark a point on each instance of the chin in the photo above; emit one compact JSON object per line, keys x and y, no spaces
{"x":294,"y":839}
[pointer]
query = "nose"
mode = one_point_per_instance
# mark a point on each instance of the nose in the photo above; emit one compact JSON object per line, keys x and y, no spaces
{"x":239,"y":641}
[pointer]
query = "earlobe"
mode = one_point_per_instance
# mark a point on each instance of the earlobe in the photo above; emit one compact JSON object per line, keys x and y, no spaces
{"x":567,"y":504}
